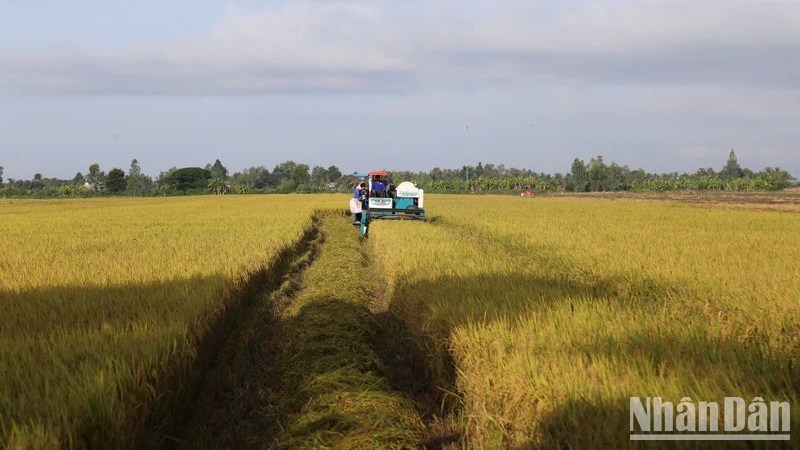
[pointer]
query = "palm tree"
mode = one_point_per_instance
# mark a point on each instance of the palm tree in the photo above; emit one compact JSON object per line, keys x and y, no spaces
{"x":217,"y":185}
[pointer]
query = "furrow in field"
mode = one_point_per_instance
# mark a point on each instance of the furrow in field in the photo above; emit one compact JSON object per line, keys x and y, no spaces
{"x":113,"y":308}
{"x":306,"y":368}
{"x":179,"y":397}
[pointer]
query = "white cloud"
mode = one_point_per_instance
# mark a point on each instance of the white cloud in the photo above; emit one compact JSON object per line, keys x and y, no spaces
{"x":382,"y":46}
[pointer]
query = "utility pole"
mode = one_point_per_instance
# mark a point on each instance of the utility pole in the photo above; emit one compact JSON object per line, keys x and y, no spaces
{"x":466,"y":141}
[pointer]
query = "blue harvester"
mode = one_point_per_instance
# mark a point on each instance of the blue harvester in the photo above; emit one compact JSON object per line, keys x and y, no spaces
{"x":402,"y":202}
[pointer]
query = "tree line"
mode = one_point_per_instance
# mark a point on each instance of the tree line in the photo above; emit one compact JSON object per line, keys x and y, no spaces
{"x":286,"y":177}
{"x":597,"y":176}
{"x":290,"y":177}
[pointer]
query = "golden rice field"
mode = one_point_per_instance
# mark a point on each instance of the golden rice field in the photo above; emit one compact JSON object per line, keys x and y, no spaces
{"x":556,"y":310}
{"x":101,"y":299}
{"x":538,"y":318}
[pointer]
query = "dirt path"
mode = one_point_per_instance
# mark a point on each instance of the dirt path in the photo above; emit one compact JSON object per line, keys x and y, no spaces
{"x":317,"y":363}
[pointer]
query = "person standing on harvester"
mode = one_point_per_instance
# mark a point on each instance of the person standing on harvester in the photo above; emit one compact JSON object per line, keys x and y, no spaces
{"x":355,"y":204}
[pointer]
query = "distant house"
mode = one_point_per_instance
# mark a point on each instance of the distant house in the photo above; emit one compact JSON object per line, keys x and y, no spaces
{"x":333,"y":185}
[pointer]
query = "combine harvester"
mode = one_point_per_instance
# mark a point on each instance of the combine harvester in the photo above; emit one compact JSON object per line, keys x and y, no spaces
{"x":404,"y":202}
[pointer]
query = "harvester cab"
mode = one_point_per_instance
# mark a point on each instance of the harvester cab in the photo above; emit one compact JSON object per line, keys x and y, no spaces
{"x":381,"y":200}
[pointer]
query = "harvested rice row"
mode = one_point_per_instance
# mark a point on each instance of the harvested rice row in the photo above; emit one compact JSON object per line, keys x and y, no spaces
{"x":337,"y":389}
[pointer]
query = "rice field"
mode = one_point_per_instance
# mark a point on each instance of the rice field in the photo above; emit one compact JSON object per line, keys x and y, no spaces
{"x":105,"y":301}
{"x":535,"y":320}
{"x":553,"y":312}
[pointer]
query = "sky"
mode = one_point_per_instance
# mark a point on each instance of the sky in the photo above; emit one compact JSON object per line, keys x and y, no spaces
{"x":664,"y":85}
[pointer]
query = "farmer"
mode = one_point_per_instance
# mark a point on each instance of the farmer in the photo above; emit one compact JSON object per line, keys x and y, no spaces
{"x":378,"y":187}
{"x":355,"y":204}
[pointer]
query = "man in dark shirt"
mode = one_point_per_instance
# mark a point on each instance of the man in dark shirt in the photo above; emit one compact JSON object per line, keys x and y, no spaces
{"x":378,"y":186}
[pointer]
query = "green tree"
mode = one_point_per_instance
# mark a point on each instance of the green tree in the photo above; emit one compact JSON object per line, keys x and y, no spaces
{"x":282,"y":173}
{"x":255,"y":177}
{"x":217,"y":185}
{"x":188,"y":178}
{"x":580,"y":177}
{"x":287,"y":187}
{"x":219,"y":171}
{"x":617,"y":177}
{"x":597,"y":175}
{"x":300,"y":174}
{"x":709,"y":172}
{"x":334,"y":174}
{"x":1,"y":176}
{"x":95,"y":177}
{"x":319,"y":176}
{"x":162,"y":181}
{"x":135,"y":179}
{"x":479,"y":170}
{"x":732,"y":169}
{"x":65,"y":190}
{"x":116,"y":182}
{"x":37,"y":183}
{"x":778,"y":177}
{"x":79,"y":179}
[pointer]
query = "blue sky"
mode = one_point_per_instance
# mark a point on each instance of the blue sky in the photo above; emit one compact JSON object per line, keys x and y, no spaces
{"x":659,"y":84}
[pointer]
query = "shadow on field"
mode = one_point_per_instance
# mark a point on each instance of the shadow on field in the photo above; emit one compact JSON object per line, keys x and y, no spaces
{"x":700,"y":363}
{"x":39,"y":313}
{"x":454,"y":301}
{"x":238,"y":405}
{"x":421,"y":315}
{"x":412,"y":371}
{"x":64,"y":340}
{"x":577,"y":423}
{"x":72,"y":341}
{"x":429,"y":311}
{"x":306,"y":372}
